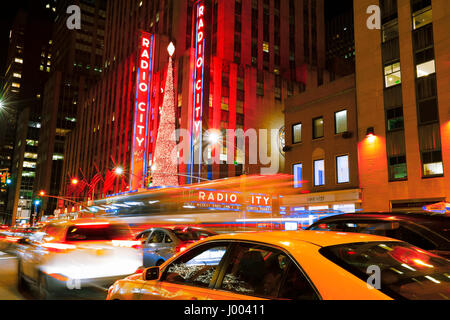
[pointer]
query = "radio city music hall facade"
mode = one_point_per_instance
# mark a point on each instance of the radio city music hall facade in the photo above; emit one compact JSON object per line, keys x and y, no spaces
{"x":235,"y":63}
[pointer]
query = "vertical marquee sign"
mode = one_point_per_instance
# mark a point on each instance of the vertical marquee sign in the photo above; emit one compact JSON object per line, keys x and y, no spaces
{"x":141,"y":113}
{"x":201,"y":27}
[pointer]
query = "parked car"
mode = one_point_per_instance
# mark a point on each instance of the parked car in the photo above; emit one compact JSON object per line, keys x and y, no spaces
{"x":159,"y":244}
{"x":426,"y":231}
{"x":297,"y":265}
{"x":77,"y":254}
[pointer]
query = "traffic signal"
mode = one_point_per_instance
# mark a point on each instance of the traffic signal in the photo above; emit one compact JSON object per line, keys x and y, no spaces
{"x":148,"y":181}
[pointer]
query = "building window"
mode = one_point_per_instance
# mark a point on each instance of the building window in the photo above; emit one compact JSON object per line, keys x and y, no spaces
{"x":298,"y":175}
{"x":28,"y":174}
{"x":297,"y":133}
{"x":340,"y":121}
{"x":428,"y":111}
{"x":345,"y":208}
{"x":392,"y":75}
{"x":319,"y":173}
{"x":342,"y":169}
{"x":224,"y":104}
{"x":28,"y":164}
{"x":422,"y":18}
{"x":432,"y":163}
{"x":425,"y":69}
{"x":394,"y":119}
{"x":390,"y":31}
{"x":397,"y":168}
{"x":318,"y":128}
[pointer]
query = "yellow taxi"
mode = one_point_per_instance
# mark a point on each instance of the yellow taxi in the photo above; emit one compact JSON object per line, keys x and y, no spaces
{"x":305,"y":265}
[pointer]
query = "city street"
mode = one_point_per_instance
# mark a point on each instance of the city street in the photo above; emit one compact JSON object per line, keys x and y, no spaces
{"x":8,"y":279}
{"x":8,"y":283}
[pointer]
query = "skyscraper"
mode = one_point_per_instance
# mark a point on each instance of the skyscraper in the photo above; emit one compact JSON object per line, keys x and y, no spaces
{"x":76,"y":66}
{"x":27,"y":70}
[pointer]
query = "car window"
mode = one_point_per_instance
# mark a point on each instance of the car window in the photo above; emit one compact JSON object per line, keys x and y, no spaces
{"x":143,"y":236}
{"x":98,"y":232}
{"x":390,"y":229}
{"x":338,"y":226}
{"x":255,"y":270}
{"x":196,"y":267}
{"x":167,"y":239}
{"x":296,"y":286}
{"x":188,"y":234}
{"x":405,"y":271}
{"x":54,"y":232}
{"x":408,"y":235}
{"x":157,"y":237}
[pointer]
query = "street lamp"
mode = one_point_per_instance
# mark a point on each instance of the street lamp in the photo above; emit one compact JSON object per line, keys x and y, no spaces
{"x":119,"y":171}
{"x":75,"y":181}
{"x":213,"y":137}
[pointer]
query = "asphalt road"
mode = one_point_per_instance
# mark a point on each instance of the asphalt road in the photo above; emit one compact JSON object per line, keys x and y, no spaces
{"x":8,"y":284}
{"x":8,"y":279}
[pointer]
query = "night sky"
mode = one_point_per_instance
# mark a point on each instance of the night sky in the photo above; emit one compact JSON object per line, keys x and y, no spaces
{"x":336,"y":7}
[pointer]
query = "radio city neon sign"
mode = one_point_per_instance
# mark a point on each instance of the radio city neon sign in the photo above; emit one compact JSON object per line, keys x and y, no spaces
{"x":233,"y":198}
{"x":143,"y":82}
{"x":212,"y":196}
{"x":199,"y":69}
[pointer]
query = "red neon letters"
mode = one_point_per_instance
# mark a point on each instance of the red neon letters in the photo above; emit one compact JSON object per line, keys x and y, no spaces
{"x":142,"y":109}
{"x":199,"y":65}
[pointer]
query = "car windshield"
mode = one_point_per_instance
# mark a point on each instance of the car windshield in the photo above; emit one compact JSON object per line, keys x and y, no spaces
{"x":406,"y":272}
{"x":441,"y":226}
{"x":101,"y":232}
{"x":189,"y":234}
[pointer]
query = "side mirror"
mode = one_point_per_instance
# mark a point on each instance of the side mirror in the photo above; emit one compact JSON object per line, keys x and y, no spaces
{"x":151,"y":274}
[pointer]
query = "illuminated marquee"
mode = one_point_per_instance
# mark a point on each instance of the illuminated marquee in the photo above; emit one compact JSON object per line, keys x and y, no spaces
{"x":141,"y":113}
{"x":200,"y":87}
{"x":199,"y":68}
{"x":234,"y":198}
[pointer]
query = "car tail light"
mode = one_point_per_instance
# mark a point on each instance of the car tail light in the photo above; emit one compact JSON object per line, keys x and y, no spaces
{"x":181,"y":248}
{"x":127,"y":244}
{"x":58,"y":277}
{"x":58,"y":247}
{"x":140,"y":270}
{"x":92,"y":224}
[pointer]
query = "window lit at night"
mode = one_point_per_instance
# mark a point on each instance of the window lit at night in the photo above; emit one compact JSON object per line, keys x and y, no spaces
{"x":298,"y":175}
{"x":342,"y":169}
{"x":392,"y":75}
{"x":319,"y":173}
{"x":425,"y":69}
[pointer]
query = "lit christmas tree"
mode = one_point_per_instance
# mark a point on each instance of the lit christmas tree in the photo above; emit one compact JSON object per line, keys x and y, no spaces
{"x":165,"y":161}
